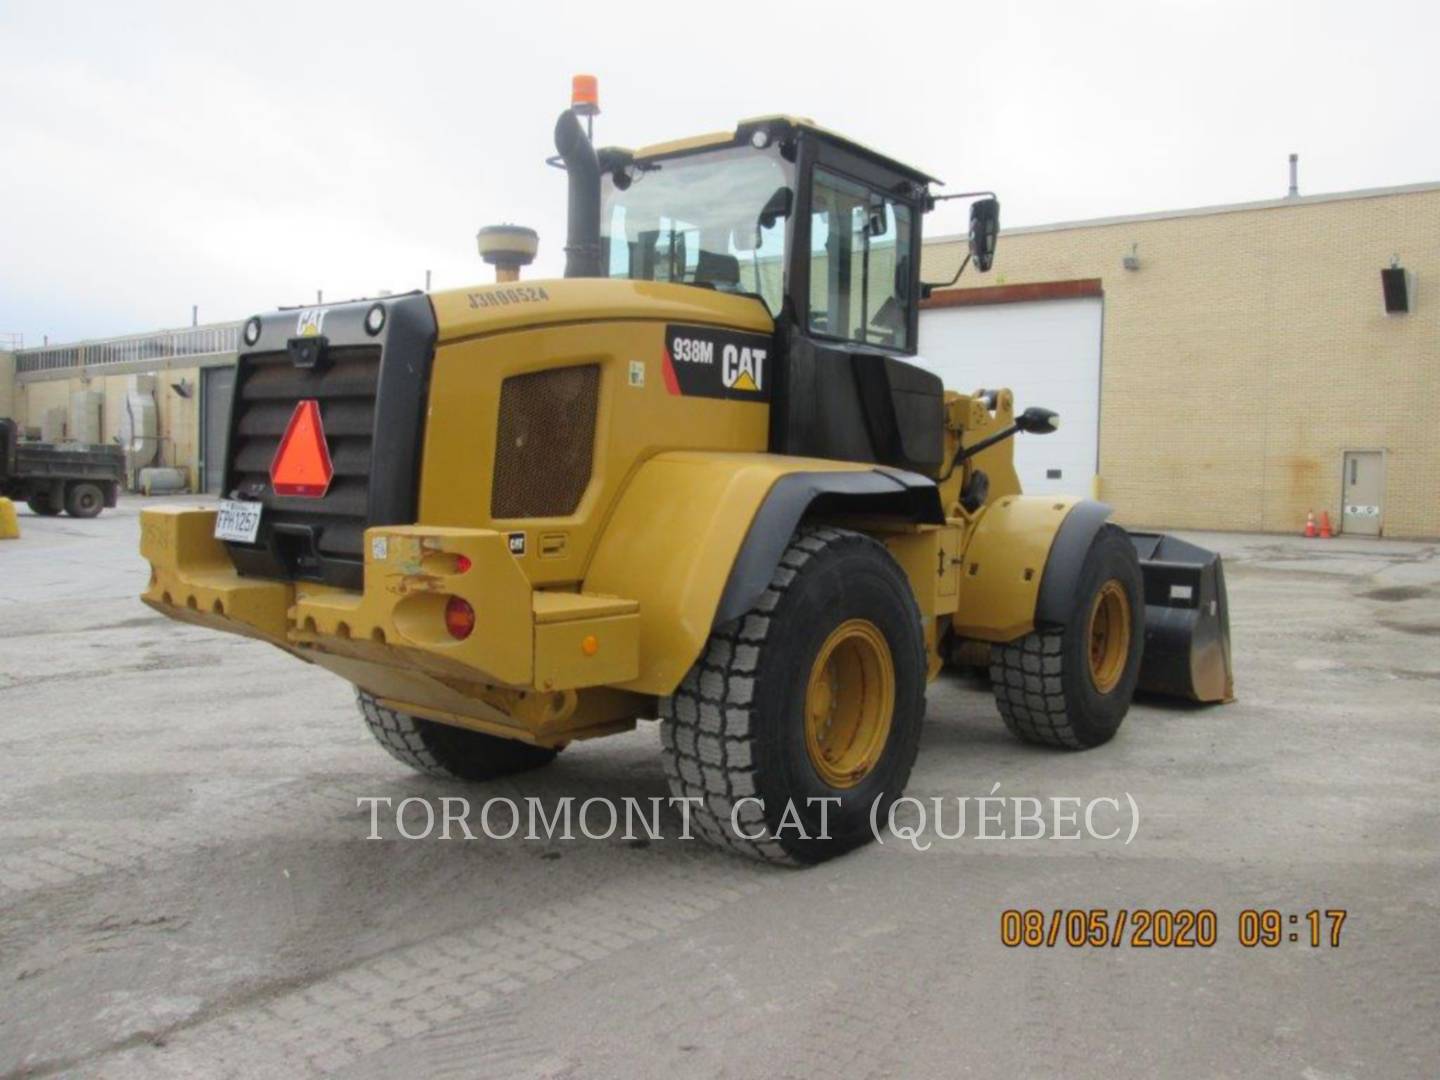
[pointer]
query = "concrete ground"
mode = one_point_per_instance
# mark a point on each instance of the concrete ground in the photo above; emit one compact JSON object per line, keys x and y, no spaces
{"x":186,"y":887}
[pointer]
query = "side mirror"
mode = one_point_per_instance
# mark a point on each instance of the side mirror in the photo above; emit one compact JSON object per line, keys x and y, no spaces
{"x":1038,"y":421}
{"x":752,"y":238}
{"x":746,"y":238}
{"x":776,"y":207}
{"x":875,"y":223}
{"x":984,"y":232}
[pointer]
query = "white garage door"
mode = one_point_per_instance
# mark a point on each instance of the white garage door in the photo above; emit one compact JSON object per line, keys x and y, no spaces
{"x":1048,"y":353}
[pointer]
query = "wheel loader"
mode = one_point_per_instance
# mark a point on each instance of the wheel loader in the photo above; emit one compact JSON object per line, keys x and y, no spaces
{"x":702,"y":479}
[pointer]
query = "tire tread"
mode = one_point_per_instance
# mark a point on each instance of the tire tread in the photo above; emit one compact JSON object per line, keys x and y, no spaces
{"x":707,"y":729}
{"x":1040,"y":700}
{"x":1026,"y":677}
{"x":418,"y":744}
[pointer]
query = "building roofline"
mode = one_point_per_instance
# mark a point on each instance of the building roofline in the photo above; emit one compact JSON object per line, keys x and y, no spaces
{"x":1204,"y":211}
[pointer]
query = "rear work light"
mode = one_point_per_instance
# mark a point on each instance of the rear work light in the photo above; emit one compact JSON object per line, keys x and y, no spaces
{"x":459,"y":618}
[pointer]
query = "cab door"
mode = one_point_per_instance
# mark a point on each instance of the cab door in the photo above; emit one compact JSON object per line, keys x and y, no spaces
{"x":847,"y":391}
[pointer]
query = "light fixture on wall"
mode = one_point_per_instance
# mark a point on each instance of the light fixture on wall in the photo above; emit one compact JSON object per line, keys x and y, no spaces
{"x":1397,"y":285}
{"x":182,"y":388}
{"x":1132,"y":261}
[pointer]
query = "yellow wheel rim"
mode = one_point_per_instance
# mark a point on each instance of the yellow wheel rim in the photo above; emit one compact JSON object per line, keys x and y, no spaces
{"x":1109,"y":635}
{"x":849,"y":703}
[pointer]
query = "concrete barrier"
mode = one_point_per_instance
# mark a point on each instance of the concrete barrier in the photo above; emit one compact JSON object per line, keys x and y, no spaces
{"x":9,"y":523}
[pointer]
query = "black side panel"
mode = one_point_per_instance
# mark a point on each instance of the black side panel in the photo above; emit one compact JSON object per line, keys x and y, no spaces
{"x":815,"y":406}
{"x":853,"y":403}
{"x":904,"y":495}
{"x":904,"y":409}
{"x":1067,"y":555}
{"x":407,"y":349}
{"x":7,"y":447}
{"x":371,"y":390}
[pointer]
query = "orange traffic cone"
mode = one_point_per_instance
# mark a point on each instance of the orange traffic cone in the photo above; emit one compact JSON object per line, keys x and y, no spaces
{"x":1310,"y":524}
{"x":1325,"y":533}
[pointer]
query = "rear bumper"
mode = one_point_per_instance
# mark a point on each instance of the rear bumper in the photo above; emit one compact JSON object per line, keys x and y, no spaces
{"x":390,"y":637}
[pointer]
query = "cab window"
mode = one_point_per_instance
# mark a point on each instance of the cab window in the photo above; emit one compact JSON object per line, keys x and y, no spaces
{"x":717,"y":219}
{"x":860,"y":263}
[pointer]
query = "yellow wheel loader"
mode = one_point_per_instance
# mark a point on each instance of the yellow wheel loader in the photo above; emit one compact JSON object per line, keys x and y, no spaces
{"x":700,"y":479}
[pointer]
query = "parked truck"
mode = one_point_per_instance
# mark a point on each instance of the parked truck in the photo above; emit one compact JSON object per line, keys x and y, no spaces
{"x":79,"y":478}
{"x":700,"y":479}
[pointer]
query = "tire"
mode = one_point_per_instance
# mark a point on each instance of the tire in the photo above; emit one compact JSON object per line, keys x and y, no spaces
{"x":738,"y":727}
{"x":1045,"y":685}
{"x":450,"y":753}
{"x":84,"y":500}
{"x":40,"y":504}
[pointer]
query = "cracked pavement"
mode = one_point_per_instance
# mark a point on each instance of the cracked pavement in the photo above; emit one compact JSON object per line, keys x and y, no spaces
{"x":186,"y":887}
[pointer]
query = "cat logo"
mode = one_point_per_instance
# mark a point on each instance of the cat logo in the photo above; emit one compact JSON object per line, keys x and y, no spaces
{"x":310,"y":322}
{"x":742,"y":368}
{"x":707,"y":361}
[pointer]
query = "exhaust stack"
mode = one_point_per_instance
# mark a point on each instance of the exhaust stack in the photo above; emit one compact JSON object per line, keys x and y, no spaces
{"x":572,"y":143}
{"x":1294,"y":192}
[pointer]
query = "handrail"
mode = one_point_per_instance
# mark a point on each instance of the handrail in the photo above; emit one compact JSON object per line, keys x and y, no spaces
{"x":157,"y":345}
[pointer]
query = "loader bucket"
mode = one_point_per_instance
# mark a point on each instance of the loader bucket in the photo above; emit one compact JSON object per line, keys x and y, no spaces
{"x":1187,"y":621}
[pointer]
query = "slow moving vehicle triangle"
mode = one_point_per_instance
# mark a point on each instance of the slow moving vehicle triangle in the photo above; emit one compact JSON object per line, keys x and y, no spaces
{"x":302,"y":465}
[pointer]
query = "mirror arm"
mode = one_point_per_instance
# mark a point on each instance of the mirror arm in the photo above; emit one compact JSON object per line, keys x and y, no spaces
{"x":933,"y":199}
{"x":926,"y":287}
{"x":966,"y":452}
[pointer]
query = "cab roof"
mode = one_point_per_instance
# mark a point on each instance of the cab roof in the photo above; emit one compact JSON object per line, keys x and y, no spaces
{"x":777,"y":123}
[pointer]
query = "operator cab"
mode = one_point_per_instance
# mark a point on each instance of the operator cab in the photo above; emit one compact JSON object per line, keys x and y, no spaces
{"x":823,"y":231}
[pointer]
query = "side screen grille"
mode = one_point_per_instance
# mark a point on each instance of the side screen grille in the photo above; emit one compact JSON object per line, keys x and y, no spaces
{"x":545,"y":442}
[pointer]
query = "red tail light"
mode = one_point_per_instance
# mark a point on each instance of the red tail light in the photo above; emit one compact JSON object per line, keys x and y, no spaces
{"x":462,"y":564}
{"x":459,"y":618}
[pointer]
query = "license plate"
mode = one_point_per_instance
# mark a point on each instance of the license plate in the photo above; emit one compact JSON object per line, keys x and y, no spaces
{"x":238,"y":521}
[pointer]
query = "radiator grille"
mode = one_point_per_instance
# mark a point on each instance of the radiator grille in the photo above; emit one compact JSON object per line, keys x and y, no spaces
{"x":545,"y":442}
{"x":269,"y":387}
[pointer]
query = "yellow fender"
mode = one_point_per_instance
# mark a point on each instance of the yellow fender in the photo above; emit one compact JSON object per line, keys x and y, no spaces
{"x":1021,"y":561}
{"x":696,"y":537}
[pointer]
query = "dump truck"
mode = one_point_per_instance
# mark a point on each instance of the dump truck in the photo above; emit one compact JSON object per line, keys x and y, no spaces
{"x":701,"y":479}
{"x":79,"y":478}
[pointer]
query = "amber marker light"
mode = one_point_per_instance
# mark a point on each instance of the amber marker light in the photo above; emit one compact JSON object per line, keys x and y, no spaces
{"x":459,"y":618}
{"x":585,"y":95}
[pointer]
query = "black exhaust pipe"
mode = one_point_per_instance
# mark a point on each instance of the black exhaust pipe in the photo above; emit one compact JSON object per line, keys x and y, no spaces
{"x":582,"y":238}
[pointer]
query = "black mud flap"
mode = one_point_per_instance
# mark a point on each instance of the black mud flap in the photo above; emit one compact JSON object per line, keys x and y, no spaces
{"x":1187,"y":621}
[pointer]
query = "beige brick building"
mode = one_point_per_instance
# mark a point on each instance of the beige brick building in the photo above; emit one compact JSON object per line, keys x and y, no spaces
{"x":1248,"y":352}
{"x":189,"y":372}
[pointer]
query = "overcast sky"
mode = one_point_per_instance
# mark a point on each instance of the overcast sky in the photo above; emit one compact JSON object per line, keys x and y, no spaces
{"x":240,"y":156}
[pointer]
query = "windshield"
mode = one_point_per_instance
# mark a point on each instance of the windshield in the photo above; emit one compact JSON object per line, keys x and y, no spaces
{"x":716,"y":219}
